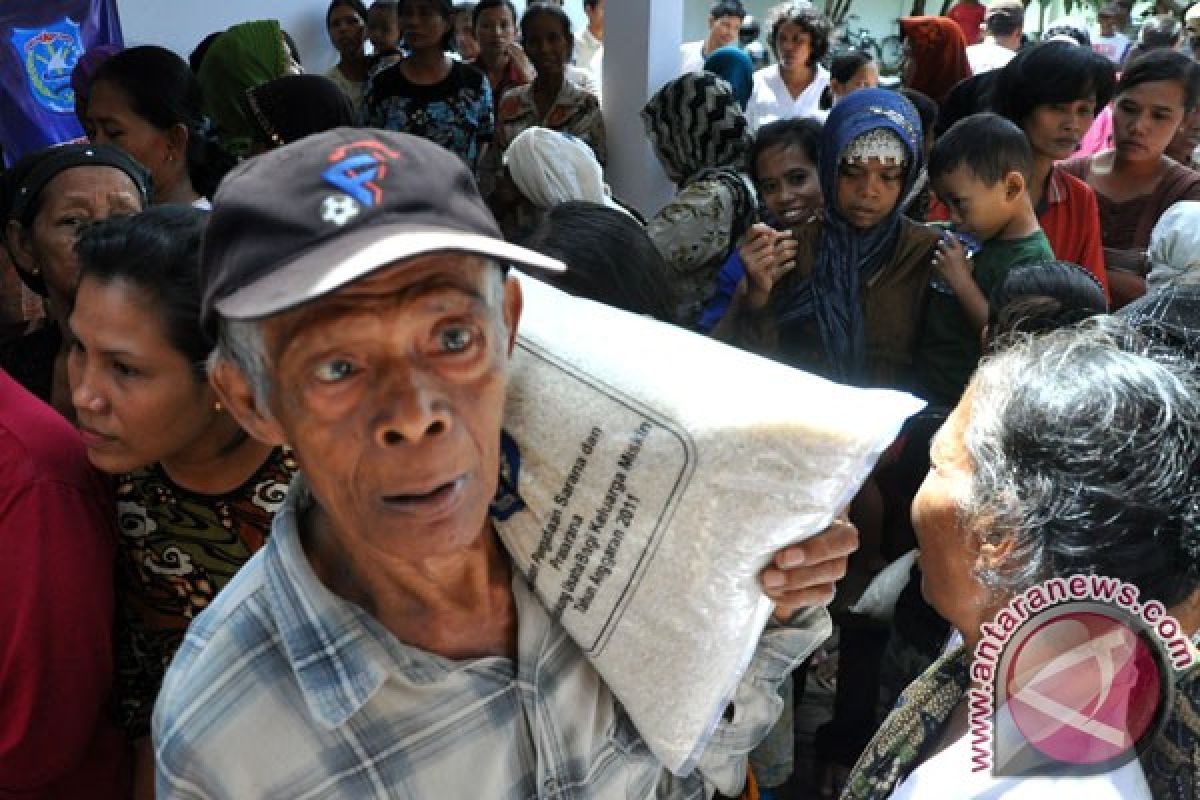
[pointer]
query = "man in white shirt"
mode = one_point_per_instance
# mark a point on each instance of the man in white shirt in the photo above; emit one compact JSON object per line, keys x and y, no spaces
{"x":724,"y":22}
{"x":590,"y":40}
{"x":1110,"y":43}
{"x":1191,"y":24}
{"x":1002,"y":28}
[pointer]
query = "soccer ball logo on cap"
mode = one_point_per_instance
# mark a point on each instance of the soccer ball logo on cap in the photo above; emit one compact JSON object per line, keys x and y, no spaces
{"x":355,"y":169}
{"x":1084,"y":690}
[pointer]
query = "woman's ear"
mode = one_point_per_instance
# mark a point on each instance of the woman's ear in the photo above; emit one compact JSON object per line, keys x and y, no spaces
{"x":177,"y":144}
{"x":242,"y":402}
{"x":19,"y":245}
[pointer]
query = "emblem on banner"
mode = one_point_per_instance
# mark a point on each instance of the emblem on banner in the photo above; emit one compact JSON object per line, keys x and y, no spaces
{"x":48,"y":54}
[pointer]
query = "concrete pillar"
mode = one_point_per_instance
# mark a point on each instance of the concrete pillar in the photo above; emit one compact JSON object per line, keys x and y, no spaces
{"x":641,"y":53}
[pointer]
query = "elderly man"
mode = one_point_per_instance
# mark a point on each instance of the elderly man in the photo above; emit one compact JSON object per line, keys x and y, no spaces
{"x":380,"y":645}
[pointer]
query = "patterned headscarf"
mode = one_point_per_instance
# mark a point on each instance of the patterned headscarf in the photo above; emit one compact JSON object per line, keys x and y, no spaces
{"x":242,"y":57}
{"x":939,"y":53}
{"x":731,"y":63}
{"x":847,"y":257}
{"x":695,"y":124}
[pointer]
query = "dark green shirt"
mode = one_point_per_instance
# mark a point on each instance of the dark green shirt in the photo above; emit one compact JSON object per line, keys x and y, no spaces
{"x":949,"y":348}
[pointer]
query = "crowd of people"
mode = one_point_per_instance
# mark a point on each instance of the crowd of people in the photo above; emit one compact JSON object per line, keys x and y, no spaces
{"x":256,"y":338}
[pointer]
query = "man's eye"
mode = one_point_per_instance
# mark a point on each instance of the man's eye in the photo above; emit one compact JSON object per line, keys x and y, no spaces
{"x":456,"y":340}
{"x":334,"y":371}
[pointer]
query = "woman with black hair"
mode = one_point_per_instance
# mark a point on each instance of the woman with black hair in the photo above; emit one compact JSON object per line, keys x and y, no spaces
{"x":146,"y":101}
{"x":849,"y":71}
{"x":782,"y":163}
{"x":799,"y":39}
{"x":1135,"y":181}
{"x":609,"y":258}
{"x":1054,"y":115}
{"x":346,"y":23}
{"x":195,"y":493}
{"x":429,"y":94}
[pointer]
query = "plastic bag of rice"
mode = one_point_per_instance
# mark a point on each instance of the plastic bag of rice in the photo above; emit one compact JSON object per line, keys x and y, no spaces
{"x":658,"y":471}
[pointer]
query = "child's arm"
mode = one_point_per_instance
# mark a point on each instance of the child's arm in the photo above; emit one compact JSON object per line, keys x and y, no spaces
{"x":951,"y":261}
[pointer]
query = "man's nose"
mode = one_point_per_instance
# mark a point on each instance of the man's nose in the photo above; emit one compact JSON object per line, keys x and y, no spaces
{"x":409,"y":408}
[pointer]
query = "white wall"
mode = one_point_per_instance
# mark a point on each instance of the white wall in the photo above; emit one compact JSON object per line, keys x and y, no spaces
{"x":181,"y":24}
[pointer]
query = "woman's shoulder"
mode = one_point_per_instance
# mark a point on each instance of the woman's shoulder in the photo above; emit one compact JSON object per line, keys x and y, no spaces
{"x":766,"y":74}
{"x":513,"y":101}
{"x":1078,"y":167}
{"x":1071,"y":184}
{"x":465,"y":76}
{"x":917,"y":235}
{"x":1179,"y":183}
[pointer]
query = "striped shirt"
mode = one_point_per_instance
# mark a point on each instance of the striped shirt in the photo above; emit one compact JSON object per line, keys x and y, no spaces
{"x":283,"y":689}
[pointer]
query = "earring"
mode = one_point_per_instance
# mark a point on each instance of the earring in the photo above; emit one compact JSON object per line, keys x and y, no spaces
{"x":217,"y":406}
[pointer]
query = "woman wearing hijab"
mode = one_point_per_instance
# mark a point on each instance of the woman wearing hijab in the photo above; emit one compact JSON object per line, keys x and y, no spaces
{"x":550,"y":168}
{"x":847,"y":306}
{"x":241,"y":58}
{"x":841,"y":295}
{"x":732,"y":64}
{"x":704,"y":154}
{"x":49,"y":196}
{"x":935,"y":55}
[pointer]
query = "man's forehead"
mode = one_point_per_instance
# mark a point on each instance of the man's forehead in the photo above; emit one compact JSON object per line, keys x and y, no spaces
{"x":400,"y":281}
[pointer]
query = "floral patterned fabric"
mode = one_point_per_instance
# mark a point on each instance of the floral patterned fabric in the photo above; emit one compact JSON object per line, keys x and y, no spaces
{"x":696,"y":232}
{"x":175,"y":551}
{"x":575,"y":111}
{"x":456,"y":113}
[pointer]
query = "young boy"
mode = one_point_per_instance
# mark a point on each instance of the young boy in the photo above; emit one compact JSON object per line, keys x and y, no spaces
{"x":979,"y":169}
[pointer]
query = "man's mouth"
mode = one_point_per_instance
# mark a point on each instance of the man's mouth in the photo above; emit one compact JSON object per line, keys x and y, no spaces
{"x":434,"y":499}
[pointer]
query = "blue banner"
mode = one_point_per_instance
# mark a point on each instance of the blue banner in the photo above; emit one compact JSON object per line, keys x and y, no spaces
{"x":40,"y":44}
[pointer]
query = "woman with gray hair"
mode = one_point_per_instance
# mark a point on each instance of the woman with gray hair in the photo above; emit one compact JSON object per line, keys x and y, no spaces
{"x":1074,"y":453}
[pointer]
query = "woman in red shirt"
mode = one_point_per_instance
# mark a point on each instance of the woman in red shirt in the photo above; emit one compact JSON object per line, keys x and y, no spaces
{"x":1055,"y":114}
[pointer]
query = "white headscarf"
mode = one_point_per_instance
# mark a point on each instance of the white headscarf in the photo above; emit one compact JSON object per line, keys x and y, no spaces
{"x":551,"y":168}
{"x":1174,"y":252}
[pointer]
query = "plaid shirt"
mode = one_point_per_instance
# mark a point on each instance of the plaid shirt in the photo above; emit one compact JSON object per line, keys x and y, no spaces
{"x":284,"y":690}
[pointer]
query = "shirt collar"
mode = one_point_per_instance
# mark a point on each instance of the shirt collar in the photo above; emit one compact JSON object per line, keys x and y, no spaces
{"x":339,"y":654}
{"x":1056,"y":189}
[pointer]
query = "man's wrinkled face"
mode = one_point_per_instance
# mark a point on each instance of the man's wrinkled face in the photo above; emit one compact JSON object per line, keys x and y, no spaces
{"x":391,"y":392}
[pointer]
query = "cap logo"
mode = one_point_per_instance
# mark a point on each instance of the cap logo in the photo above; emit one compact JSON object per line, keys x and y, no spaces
{"x":356,"y":169}
{"x":339,"y":209}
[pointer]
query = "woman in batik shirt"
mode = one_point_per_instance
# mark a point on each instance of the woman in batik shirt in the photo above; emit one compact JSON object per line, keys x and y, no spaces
{"x":195,"y":494}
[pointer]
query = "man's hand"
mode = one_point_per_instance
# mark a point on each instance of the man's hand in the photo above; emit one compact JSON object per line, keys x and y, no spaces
{"x":802,"y":575}
{"x":524,"y":65}
{"x":768,"y":255}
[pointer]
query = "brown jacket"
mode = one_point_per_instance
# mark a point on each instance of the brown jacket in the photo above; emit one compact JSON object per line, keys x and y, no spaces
{"x":893,"y":303}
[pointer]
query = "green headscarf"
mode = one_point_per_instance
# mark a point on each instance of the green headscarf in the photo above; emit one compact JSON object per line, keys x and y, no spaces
{"x":245,"y":56}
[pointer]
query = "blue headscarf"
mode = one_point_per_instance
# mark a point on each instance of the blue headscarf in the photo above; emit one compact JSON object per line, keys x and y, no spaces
{"x":847,"y":257}
{"x":732,"y":64}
